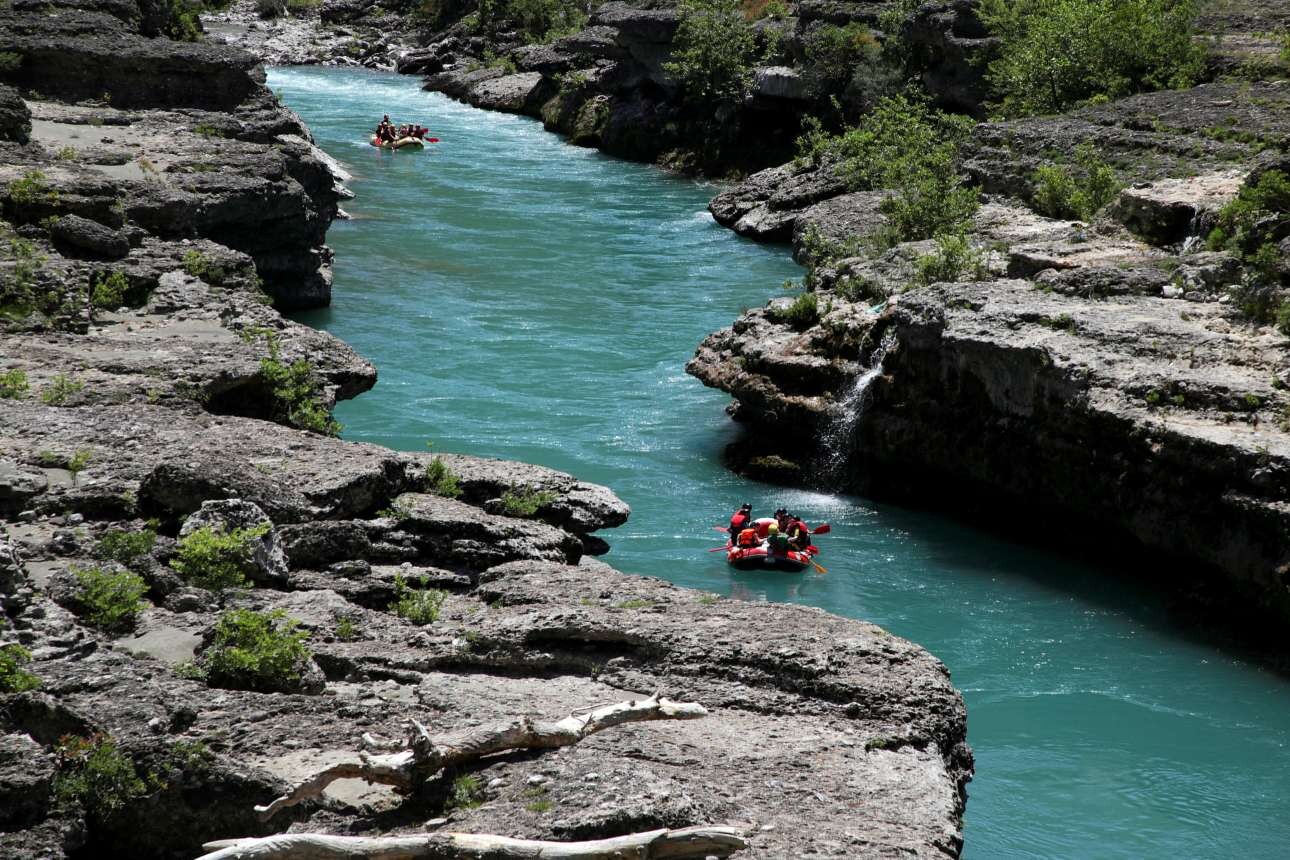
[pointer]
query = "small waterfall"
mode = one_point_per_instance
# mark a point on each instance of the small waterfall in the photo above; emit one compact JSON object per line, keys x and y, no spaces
{"x":838,"y":439}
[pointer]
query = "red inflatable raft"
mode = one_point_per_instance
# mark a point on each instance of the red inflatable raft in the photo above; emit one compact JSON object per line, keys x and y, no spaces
{"x":760,"y":557}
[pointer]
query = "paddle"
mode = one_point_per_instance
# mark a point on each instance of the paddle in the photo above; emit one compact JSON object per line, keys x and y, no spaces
{"x":821,"y":529}
{"x":718,"y":548}
{"x":819,"y":567}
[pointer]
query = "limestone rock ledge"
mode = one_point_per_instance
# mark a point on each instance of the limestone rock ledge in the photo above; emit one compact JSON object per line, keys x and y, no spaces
{"x":152,"y":192}
{"x":1097,"y":377}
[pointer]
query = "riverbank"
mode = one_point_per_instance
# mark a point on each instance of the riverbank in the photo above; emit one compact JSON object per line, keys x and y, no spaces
{"x":155,"y":402}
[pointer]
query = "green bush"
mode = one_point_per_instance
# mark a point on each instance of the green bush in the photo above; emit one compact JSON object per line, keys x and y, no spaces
{"x":1249,"y":227}
{"x":297,"y":397}
{"x":217,"y":559}
{"x":839,"y":59}
{"x":712,"y":52}
{"x":9,"y":62}
{"x":95,"y":774}
{"x":78,"y":461}
{"x":125,"y":547}
{"x":60,"y":390}
{"x":1055,"y":53}
{"x":803,"y":313}
{"x":346,"y":629}
{"x":526,"y":502}
{"x":536,"y":20}
{"x":112,"y":601}
{"x":185,"y":23}
{"x":13,"y":677}
{"x":954,"y":260}
{"x":298,"y":6}
{"x":198,"y":265}
{"x":13,"y":385}
{"x":466,"y":792}
{"x":420,"y":606}
{"x":909,"y":147}
{"x":260,"y":651}
{"x":441,"y":481}
{"x":31,"y":188}
{"x":108,"y":291}
{"x":1060,"y":194}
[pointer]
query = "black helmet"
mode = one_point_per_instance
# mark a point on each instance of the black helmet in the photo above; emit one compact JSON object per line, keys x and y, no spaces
{"x":745,"y":507}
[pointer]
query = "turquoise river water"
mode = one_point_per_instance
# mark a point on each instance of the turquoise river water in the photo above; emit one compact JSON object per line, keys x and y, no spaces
{"x":523,"y":298}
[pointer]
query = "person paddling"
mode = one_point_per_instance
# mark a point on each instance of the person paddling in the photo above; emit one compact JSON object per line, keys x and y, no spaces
{"x":740,"y":520}
{"x":776,"y":541}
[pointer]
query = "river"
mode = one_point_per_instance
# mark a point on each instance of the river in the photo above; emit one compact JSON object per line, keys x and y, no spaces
{"x":526,"y":299}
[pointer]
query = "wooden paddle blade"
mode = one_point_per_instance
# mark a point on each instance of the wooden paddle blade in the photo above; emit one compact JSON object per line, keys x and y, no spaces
{"x":822,"y":529}
{"x":819,"y":568}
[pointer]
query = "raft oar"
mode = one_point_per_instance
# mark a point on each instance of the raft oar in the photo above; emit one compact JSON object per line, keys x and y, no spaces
{"x":819,"y":567}
{"x":821,"y":529}
{"x":718,"y":548}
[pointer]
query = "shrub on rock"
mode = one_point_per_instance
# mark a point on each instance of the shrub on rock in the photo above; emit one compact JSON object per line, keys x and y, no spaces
{"x":261,"y":651}
{"x":111,"y":600}
{"x":13,"y":677}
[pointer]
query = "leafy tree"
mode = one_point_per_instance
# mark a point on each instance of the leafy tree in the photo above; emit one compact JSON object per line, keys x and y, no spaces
{"x":1056,"y":53}
{"x":712,"y":52}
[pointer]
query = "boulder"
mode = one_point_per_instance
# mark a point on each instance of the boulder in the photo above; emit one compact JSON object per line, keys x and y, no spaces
{"x":15,"y":117}
{"x":19,"y":484}
{"x":79,"y":236}
{"x":227,"y":515}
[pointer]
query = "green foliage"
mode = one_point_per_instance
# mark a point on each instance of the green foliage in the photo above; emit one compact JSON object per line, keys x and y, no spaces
{"x":198,"y":265}
{"x":840,"y":59}
{"x":1060,"y":194}
{"x":10,"y":62}
{"x":271,"y":8}
{"x":525,"y":502}
{"x":297,"y":396}
{"x":535,"y":20}
{"x":420,"y":606}
{"x":1283,"y":39}
{"x":1056,"y":53}
{"x":955,"y":259}
{"x":78,"y":461}
{"x":26,"y":263}
{"x":441,"y":481}
{"x":216,"y":559}
{"x":67,"y":153}
{"x":13,"y":385}
{"x":1249,"y":227}
{"x":13,"y":677}
{"x":634,"y":603}
{"x":125,"y":547}
{"x":909,"y":147}
{"x":712,"y":52}
{"x":466,"y":792}
{"x":1283,"y":318}
{"x":92,"y":772}
{"x":208,"y":131}
{"x":185,"y":23}
{"x":803,"y":313}
{"x":32,"y":188}
{"x":346,"y":629}
{"x":298,"y":6}
{"x":256,"y":651}
{"x":108,"y":291}
{"x":60,"y":390}
{"x":112,"y":601}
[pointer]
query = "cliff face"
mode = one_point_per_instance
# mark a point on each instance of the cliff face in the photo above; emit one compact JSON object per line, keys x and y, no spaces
{"x":149,"y":390}
{"x":1102,"y":377}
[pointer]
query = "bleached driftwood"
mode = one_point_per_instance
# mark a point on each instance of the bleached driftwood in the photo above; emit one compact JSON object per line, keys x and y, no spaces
{"x":424,"y":755}
{"x":690,"y":842}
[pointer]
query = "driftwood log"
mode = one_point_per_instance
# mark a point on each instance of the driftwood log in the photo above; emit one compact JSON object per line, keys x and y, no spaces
{"x":690,"y":842}
{"x":424,"y":755}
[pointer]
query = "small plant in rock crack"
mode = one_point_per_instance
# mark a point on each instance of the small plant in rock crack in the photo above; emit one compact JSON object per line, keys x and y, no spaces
{"x":32,"y":187}
{"x":525,"y":502}
{"x":347,"y":630}
{"x":261,"y":651}
{"x":13,"y":385}
{"x":13,"y":677}
{"x":297,"y":395}
{"x":419,"y":606}
{"x":112,"y":600}
{"x":94,"y":773}
{"x":108,"y":290}
{"x":441,"y":481}
{"x":126,"y":547}
{"x":465,"y":792}
{"x":77,"y":463}
{"x":62,"y":388}
{"x":217,"y":559}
